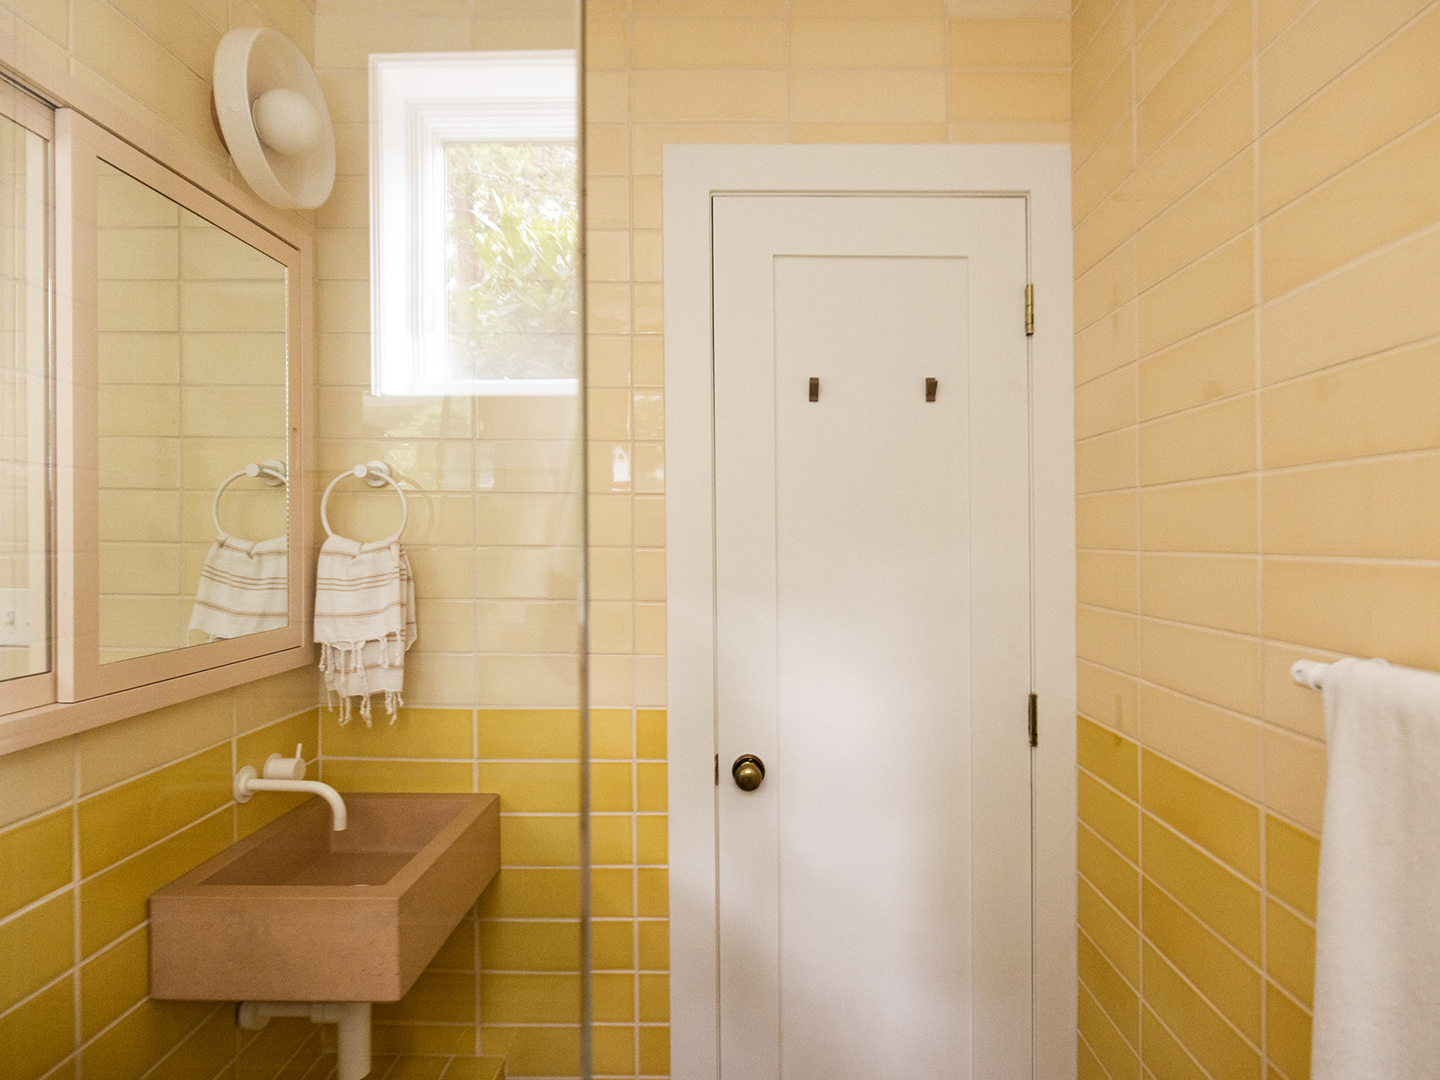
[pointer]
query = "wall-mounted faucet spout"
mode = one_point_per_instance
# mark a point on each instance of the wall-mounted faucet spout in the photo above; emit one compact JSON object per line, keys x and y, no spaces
{"x":286,"y":774}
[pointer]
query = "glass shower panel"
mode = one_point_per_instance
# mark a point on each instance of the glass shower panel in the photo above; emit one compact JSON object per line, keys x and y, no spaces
{"x":25,"y":634}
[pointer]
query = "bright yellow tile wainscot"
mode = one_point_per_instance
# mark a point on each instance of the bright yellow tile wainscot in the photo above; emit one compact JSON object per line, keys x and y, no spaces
{"x":1249,"y":255}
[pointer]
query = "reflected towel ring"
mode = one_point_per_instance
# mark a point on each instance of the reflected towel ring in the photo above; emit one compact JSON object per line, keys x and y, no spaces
{"x":376,"y":474}
{"x":271,"y":471}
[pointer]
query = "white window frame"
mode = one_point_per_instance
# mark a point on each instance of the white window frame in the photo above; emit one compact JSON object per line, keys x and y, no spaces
{"x":418,"y":103}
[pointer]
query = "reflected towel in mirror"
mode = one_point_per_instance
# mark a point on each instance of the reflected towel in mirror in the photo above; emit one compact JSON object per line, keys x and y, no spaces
{"x":242,"y":588}
{"x":364,"y":621}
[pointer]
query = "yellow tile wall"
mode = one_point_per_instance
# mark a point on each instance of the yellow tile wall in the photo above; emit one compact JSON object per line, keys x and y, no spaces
{"x":1255,"y":213}
{"x":90,"y":826}
{"x":73,"y":993}
{"x":491,"y":678}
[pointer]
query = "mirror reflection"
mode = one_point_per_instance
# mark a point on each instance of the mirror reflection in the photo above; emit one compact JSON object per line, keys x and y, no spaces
{"x":192,"y":425}
{"x":24,"y":406}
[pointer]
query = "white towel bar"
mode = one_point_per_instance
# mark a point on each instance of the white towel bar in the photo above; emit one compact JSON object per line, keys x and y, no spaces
{"x":1309,"y":673}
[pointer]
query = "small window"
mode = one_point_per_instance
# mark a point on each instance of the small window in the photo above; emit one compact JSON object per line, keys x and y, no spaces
{"x":474,"y":225}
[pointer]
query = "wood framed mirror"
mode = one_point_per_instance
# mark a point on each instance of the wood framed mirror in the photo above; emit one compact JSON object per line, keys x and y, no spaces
{"x":181,"y":493}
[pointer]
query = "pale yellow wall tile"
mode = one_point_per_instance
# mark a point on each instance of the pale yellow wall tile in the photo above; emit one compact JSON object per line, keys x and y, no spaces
{"x":1215,"y":363}
{"x":868,"y":96}
{"x":36,"y":779}
{"x":869,"y":133}
{"x":1286,"y":703}
{"x":690,"y":43}
{"x":1215,"y":515}
{"x":1208,"y":291}
{"x":1275,"y":15}
{"x":1219,"y":668}
{"x":1221,"y":50}
{"x":708,"y":95}
{"x":1366,"y":107}
{"x":1106,"y":227}
{"x":1106,"y":286}
{"x":1220,"y":208}
{"x":1320,"y":44}
{"x":1215,"y":440}
{"x":1010,"y":43}
{"x":1106,"y":403}
{"x":1086,"y":17}
{"x":1295,"y":777}
{"x":606,"y":150}
{"x":1109,"y":697}
{"x":1164,"y":39}
{"x":119,"y":751}
{"x":346,"y":41}
{"x":1098,"y":56}
{"x":1218,"y":744}
{"x":1391,"y":610}
{"x":1107,"y":343}
{"x":607,"y":96}
{"x":993,"y":95}
{"x":1219,"y":130}
{"x":649,"y":139}
{"x":1108,"y":637}
{"x":1357,"y":509}
{"x":866,"y":43}
{"x":1218,"y":592}
{"x":1106,"y":579}
{"x":1105,"y":462}
{"x":1106,"y":520}
{"x":1381,"y":406}
{"x":1102,"y":172}
{"x":1099,"y":115}
{"x":1379,"y":200}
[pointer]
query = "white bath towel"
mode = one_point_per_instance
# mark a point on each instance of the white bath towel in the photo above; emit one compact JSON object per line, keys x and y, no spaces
{"x":242,"y":588}
{"x":1377,"y":948}
{"x":364,"y":621}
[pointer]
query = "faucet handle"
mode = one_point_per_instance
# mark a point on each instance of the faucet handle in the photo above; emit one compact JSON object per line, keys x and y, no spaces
{"x":283,"y":768}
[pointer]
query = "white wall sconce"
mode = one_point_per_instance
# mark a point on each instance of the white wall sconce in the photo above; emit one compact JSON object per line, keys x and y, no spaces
{"x":273,"y":118}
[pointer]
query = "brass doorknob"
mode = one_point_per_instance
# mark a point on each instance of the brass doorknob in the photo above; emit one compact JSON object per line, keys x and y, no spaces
{"x":748,"y":771}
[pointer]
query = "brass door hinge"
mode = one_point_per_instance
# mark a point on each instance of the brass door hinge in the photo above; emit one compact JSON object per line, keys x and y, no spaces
{"x":1029,"y":310}
{"x":1034,"y":720}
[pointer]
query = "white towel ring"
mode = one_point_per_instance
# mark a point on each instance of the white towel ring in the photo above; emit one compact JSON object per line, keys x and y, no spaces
{"x":271,"y":471}
{"x":376,"y":474}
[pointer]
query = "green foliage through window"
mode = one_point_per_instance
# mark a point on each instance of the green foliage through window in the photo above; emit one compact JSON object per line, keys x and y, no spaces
{"x":512,"y":260}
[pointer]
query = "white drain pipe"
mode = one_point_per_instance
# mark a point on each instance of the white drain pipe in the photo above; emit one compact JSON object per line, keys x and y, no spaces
{"x":353,"y":1018}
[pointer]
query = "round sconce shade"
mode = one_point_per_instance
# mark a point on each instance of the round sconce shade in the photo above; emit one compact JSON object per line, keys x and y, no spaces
{"x":273,"y":118}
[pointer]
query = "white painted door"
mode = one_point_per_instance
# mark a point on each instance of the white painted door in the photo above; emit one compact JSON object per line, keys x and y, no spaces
{"x":873,"y":637}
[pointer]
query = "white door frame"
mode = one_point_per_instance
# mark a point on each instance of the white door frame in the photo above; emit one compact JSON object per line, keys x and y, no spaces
{"x":692,"y":175}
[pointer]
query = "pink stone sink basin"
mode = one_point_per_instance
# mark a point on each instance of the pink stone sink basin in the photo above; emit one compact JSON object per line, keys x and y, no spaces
{"x":299,"y":912}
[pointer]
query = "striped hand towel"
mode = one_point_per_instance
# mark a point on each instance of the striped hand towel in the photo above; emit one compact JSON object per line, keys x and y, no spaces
{"x":364,"y":621}
{"x":242,"y":588}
